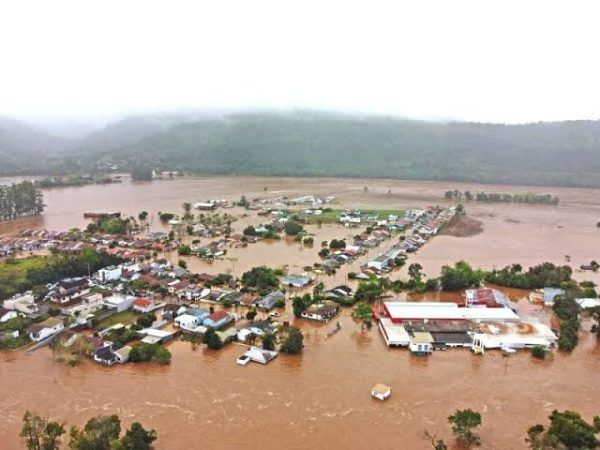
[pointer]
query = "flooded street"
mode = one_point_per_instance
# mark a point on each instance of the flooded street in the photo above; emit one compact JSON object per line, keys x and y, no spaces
{"x":321,"y":398}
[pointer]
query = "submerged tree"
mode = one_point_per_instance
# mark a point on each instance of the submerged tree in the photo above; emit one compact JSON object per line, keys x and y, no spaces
{"x":567,"y":431}
{"x":39,"y":433}
{"x":293,"y":342}
{"x":97,"y":434}
{"x":463,"y":422}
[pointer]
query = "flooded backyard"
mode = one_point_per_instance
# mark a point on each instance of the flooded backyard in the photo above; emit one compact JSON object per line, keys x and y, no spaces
{"x":321,"y":398}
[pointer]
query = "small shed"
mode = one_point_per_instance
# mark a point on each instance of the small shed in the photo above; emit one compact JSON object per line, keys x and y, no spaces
{"x":421,"y":343}
{"x":381,"y":391}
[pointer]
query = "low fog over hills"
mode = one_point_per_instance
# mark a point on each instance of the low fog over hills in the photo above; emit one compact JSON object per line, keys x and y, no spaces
{"x":317,"y":144}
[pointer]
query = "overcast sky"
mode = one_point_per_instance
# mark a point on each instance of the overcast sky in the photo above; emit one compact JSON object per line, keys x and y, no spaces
{"x":503,"y":61}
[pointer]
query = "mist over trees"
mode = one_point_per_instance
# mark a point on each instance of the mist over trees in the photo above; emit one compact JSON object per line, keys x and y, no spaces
{"x":312,"y":144}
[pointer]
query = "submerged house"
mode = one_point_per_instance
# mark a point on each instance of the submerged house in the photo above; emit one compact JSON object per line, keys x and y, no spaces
{"x":297,"y":281}
{"x":421,"y":342}
{"x":258,"y":355}
{"x":321,"y":312}
{"x":269,"y":301}
{"x":217,"y":319}
{"x":112,"y":354}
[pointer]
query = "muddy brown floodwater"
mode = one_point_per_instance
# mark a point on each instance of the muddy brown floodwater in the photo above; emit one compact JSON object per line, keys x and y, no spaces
{"x":321,"y":399}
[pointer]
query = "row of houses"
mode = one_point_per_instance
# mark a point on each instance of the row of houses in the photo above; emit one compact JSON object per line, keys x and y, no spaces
{"x":425,"y":223}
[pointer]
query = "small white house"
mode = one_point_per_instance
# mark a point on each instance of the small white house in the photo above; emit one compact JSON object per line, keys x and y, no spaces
{"x":120,"y":302}
{"x":188,"y":322}
{"x":421,"y":343}
{"x":381,"y":391}
{"x":108,"y":274}
{"x":40,"y":331}
{"x":258,"y":355}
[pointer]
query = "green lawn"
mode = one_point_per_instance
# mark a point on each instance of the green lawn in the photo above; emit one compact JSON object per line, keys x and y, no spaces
{"x":125,"y":317}
{"x":13,"y":274}
{"x":332,"y":215}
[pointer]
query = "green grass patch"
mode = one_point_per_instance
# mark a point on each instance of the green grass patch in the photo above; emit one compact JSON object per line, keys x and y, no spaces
{"x":125,"y":317}
{"x":13,"y":274}
{"x":331,"y":216}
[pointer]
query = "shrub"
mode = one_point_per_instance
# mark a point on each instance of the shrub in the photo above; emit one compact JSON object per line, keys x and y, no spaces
{"x":539,"y":351}
{"x":292,"y":228}
{"x":293,"y":342}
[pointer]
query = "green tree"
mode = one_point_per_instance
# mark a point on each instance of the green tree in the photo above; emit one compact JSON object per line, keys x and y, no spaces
{"x":140,"y":172}
{"x":250,"y":231}
{"x":463,"y":422}
{"x":184,"y":250}
{"x":97,"y":434}
{"x":292,"y":228}
{"x":415,"y":274}
{"x":143,"y":352}
{"x":538,"y":351}
{"x":146,"y":320}
{"x":460,"y":276}
{"x":293,"y":341}
{"x":268,"y":341}
{"x":595,"y":315}
{"x":337,"y":244}
{"x":39,"y":433}
{"x":363,"y":311}
{"x":262,"y":278}
{"x":369,"y":290}
{"x":214,"y":341}
{"x":572,"y":431}
{"x":250,"y":315}
{"x":300,"y":303}
{"x":137,"y":438}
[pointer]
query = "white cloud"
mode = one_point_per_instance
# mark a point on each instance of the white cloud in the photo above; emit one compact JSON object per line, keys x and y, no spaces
{"x":479,"y":60}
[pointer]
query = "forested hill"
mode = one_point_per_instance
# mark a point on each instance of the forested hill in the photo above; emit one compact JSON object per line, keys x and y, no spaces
{"x":23,"y":147}
{"x":553,"y":153}
{"x":563,"y":153}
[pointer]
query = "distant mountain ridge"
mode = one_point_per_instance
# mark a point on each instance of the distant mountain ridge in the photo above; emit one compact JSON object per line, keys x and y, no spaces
{"x":22,"y":147}
{"x":322,"y":144}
